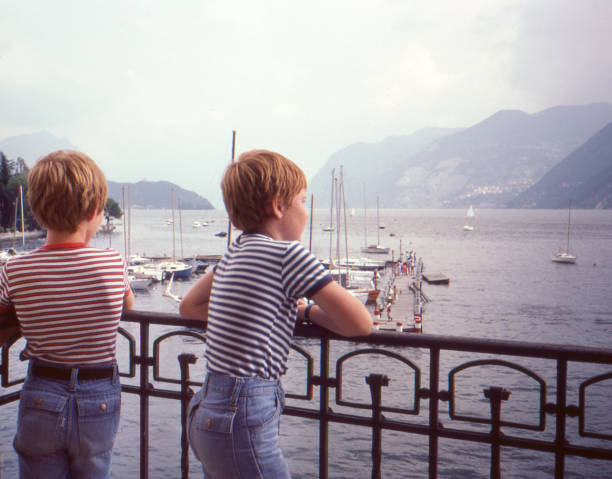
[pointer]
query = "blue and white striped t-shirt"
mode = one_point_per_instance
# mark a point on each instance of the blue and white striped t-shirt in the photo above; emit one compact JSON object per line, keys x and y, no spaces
{"x":253,"y":304}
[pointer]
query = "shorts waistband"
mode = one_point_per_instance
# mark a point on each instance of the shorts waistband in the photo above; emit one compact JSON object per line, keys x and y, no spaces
{"x":240,"y":386}
{"x":82,"y":374}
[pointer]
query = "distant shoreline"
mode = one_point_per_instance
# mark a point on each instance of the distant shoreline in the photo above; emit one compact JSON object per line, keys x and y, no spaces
{"x":18,"y":236}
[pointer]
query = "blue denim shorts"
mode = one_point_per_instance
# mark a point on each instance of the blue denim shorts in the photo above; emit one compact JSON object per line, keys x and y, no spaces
{"x":66,"y":428}
{"x":233,"y":428}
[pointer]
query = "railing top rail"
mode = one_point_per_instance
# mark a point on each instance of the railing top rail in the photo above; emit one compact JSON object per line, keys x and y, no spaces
{"x":429,"y":341}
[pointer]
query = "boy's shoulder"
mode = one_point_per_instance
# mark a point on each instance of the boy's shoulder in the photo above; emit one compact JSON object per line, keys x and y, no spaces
{"x":65,"y":251}
{"x":261,"y":240}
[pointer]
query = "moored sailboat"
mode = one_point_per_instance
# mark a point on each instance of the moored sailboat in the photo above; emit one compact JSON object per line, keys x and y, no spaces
{"x":469,"y":225}
{"x":564,"y":256}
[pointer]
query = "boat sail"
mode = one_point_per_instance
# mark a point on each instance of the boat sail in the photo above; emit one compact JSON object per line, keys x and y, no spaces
{"x":469,"y":225}
{"x":564,"y":256}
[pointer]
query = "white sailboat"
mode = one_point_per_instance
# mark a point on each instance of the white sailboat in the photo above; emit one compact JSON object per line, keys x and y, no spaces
{"x":564,"y":256}
{"x":469,"y":225}
{"x":376,"y":248}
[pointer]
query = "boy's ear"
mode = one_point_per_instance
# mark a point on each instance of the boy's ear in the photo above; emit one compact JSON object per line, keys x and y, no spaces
{"x":274,"y":209}
{"x":92,"y":213}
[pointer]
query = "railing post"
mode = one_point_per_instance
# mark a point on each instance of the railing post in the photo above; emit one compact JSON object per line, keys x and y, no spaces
{"x":144,"y":400}
{"x":186,"y":394}
{"x":376,"y":382}
{"x":560,"y":429}
{"x":434,"y":378}
{"x":323,"y":406}
{"x":496,"y":395}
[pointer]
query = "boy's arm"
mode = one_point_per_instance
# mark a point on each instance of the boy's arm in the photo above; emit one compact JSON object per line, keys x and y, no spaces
{"x":339,"y":311}
{"x":194,"y":304}
{"x":128,"y":301}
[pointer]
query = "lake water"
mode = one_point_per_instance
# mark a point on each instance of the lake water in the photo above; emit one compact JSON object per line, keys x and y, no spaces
{"x":503,"y":285}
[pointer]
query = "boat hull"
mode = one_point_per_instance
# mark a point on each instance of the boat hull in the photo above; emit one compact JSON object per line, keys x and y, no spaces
{"x":564,"y":258}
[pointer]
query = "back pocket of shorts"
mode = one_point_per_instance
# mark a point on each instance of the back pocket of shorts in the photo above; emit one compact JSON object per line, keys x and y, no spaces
{"x":98,"y":423}
{"x":41,"y":423}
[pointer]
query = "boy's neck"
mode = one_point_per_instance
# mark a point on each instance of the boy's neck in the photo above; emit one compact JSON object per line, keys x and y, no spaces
{"x":60,"y":237}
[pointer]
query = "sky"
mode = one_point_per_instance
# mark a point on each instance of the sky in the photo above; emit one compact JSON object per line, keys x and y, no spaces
{"x":153,"y":89}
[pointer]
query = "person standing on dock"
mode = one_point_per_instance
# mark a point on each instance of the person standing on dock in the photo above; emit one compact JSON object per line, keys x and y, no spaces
{"x":68,"y":298}
{"x":251,"y":303}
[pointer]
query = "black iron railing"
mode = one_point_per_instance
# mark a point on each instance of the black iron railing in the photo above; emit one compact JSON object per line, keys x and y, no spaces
{"x":463,"y":357}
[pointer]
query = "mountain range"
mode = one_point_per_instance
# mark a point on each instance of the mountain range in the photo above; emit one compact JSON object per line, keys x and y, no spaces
{"x":584,"y":177}
{"x":155,"y":195}
{"x":510,"y":159}
{"x":486,"y":165}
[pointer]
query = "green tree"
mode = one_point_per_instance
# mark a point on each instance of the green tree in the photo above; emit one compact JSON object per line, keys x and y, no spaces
{"x":5,"y":201}
{"x":112,"y":210}
{"x":5,"y":169}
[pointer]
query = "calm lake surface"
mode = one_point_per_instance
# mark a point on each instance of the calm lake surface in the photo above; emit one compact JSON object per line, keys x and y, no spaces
{"x":503,"y":285}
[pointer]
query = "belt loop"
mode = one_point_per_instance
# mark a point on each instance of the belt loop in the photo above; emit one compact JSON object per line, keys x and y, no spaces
{"x":74,"y":374}
{"x":205,"y":384}
{"x":115,"y":373}
{"x":238,"y":385}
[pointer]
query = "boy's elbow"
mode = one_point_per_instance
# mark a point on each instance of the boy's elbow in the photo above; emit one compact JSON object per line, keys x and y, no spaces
{"x":364,"y":328}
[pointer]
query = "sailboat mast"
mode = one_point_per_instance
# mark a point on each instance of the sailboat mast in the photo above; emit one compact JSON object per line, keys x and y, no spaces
{"x":345,"y":223}
{"x":173,"y":230}
{"x":569,"y":217}
{"x":331,"y":217}
{"x":338,"y":220}
{"x":229,"y":222}
{"x":129,"y":212}
{"x":22,"y":223}
{"x":311,"y":216}
{"x":377,"y":221}
{"x":181,"y":228}
{"x":125,"y":230}
{"x":365,"y":222}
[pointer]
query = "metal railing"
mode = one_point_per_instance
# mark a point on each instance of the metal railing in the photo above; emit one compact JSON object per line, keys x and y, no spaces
{"x":335,"y":355}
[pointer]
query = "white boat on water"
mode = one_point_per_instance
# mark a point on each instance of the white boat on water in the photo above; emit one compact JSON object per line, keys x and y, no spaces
{"x":135,"y":259}
{"x":564,"y":256}
{"x":148,"y":270}
{"x":470,"y":215}
{"x":140,"y":283}
{"x":375,"y":249}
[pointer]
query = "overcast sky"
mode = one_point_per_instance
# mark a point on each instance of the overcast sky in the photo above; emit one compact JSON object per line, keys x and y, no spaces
{"x":153,"y":89}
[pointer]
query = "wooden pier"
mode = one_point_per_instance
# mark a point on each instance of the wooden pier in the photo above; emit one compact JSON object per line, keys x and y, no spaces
{"x":400,"y":306}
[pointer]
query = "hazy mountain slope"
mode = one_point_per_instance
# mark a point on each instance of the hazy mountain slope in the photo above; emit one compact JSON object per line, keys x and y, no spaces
{"x":370,"y":163}
{"x":32,"y":146}
{"x":157,"y":194}
{"x":492,"y":162}
{"x":584,"y":176}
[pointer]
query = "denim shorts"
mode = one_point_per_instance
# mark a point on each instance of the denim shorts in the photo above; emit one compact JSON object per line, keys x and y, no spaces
{"x":233,"y":428}
{"x":66,"y":428}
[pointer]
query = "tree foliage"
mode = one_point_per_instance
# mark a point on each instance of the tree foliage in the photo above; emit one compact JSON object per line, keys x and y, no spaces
{"x":112,"y":210}
{"x":13,"y":174}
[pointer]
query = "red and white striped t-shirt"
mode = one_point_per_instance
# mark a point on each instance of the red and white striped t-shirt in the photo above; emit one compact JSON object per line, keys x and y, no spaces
{"x":68,"y":299}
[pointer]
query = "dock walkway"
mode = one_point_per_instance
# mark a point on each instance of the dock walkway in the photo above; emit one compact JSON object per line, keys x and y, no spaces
{"x":401,"y":302}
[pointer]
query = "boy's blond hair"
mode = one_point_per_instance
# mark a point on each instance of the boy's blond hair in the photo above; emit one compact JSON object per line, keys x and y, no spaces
{"x":64,"y":188}
{"x":252,"y":183}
